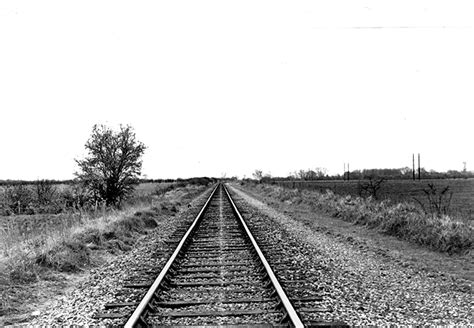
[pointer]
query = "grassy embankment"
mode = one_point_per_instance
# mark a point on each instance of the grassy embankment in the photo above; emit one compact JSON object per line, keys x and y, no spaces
{"x":35,"y":247}
{"x":403,"y":220}
{"x":461,"y":206}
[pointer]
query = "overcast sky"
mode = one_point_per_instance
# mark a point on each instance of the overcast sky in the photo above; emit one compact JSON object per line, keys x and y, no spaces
{"x":214,"y":87}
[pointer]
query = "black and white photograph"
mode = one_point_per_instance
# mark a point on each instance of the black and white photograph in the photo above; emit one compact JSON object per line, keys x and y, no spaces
{"x":205,"y":163}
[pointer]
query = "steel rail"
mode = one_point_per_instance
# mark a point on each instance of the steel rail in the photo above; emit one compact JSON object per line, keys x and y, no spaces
{"x":136,"y":315}
{"x":290,"y":310}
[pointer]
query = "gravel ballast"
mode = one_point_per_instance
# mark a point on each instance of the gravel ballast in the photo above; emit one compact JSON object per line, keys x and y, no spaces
{"x":362,"y":286}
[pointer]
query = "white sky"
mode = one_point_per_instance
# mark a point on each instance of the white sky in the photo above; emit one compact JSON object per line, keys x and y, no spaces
{"x":232,"y":86}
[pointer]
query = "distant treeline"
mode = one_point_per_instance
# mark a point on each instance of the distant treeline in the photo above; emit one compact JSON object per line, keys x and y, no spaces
{"x":405,"y":173}
{"x":194,"y":181}
{"x":34,"y":182}
{"x":197,"y":180}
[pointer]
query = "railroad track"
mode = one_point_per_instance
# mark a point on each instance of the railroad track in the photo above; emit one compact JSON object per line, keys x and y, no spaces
{"x":217,"y":275}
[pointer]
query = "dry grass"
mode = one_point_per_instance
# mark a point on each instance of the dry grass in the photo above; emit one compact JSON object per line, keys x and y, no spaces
{"x":462,"y":206}
{"x":36,"y":247}
{"x":403,"y":220}
{"x":64,"y":242}
{"x":34,"y":256}
{"x":20,"y":233}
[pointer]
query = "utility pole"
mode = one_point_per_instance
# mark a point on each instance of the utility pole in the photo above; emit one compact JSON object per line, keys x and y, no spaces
{"x":419,"y":167}
{"x":413,"y":166}
{"x":348,"y":172}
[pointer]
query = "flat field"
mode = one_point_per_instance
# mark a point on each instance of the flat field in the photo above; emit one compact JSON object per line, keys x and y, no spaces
{"x":462,"y":202}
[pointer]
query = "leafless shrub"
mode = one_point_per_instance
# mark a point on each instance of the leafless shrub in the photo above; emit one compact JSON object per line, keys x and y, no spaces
{"x":370,"y":187}
{"x":45,"y":192}
{"x":18,"y":199}
{"x":439,"y":201}
{"x":78,"y":198}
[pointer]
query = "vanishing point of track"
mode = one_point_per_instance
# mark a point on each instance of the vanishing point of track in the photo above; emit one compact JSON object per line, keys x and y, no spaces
{"x":217,"y":275}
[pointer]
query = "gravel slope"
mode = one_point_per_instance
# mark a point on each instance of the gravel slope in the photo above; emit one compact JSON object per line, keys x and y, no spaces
{"x":367,"y":288}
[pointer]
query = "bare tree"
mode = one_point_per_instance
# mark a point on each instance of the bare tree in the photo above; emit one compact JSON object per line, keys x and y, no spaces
{"x":370,"y":187}
{"x":113,"y":164}
{"x":302,"y":174}
{"x":309,"y":174}
{"x":258,"y":175}
{"x":321,"y":172}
